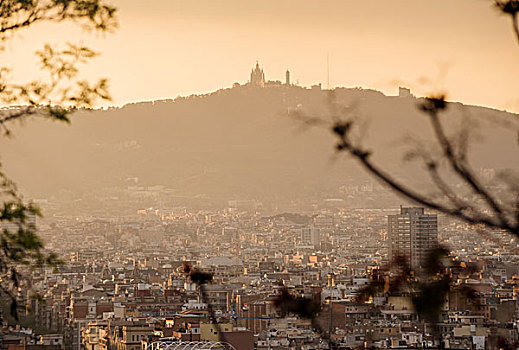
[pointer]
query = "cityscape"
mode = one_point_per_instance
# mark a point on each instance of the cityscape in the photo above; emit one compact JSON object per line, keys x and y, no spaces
{"x":123,"y":284}
{"x":227,"y":192}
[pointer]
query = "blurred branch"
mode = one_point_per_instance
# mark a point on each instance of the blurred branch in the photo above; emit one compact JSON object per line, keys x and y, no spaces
{"x":201,"y":278}
{"x":59,"y":95}
{"x":21,"y":249}
{"x":17,"y":14}
{"x":428,"y":287}
{"x":511,"y":8}
{"x":503,"y":218}
{"x":20,"y":245}
{"x":305,"y":308}
{"x":458,"y":162}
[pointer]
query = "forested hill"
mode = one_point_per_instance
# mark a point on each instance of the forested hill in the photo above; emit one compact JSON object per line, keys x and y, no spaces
{"x":242,"y":142}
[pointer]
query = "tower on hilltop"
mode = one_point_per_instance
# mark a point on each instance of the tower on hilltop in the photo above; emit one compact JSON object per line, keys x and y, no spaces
{"x":257,"y":77}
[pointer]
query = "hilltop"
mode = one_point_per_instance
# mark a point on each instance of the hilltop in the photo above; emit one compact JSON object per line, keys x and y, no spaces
{"x":242,"y":142}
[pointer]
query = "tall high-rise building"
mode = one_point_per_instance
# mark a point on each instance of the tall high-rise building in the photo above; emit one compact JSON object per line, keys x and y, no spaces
{"x":412,"y":234}
{"x":311,"y":236}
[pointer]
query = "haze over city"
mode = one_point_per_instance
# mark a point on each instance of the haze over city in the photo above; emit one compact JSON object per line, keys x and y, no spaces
{"x":268,"y":175}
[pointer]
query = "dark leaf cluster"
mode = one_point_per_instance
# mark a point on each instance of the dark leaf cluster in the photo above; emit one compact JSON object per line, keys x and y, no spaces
{"x":511,"y":8}
{"x":20,"y":245}
{"x":433,"y":104}
{"x":428,"y":287}
{"x":197,"y":276}
{"x":19,"y":14}
{"x":62,"y":92}
{"x":59,"y":95}
{"x":287,"y":303}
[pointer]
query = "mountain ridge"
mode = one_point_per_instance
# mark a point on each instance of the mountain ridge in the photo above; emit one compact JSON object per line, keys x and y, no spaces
{"x":242,"y":142}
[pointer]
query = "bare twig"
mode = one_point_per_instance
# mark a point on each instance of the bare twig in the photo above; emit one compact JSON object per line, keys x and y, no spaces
{"x":499,"y":218}
{"x":511,"y":8}
{"x":457,"y":163}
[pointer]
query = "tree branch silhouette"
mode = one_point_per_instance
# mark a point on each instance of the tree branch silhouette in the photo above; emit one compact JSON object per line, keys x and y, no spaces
{"x":511,"y":8}
{"x":428,"y":287}
{"x":54,"y":97}
{"x":17,"y":14}
{"x":201,"y":278}
{"x":499,"y":216}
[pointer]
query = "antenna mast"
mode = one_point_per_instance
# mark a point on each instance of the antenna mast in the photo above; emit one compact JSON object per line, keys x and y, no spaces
{"x":327,"y":71}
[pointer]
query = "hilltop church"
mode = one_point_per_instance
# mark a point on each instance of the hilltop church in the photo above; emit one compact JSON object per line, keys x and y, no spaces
{"x":257,"y":77}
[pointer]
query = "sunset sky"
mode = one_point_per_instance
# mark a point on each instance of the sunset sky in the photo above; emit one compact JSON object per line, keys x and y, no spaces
{"x":166,"y":48}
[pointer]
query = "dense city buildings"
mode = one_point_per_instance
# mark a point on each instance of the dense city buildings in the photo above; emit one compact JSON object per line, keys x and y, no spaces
{"x":123,"y":284}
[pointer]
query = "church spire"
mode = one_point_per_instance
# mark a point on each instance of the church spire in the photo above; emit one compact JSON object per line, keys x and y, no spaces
{"x":257,"y":77}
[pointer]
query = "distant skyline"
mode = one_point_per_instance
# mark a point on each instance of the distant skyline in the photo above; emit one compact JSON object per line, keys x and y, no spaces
{"x":166,"y":48}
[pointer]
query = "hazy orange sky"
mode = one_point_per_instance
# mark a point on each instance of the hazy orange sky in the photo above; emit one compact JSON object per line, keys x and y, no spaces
{"x":166,"y":48}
